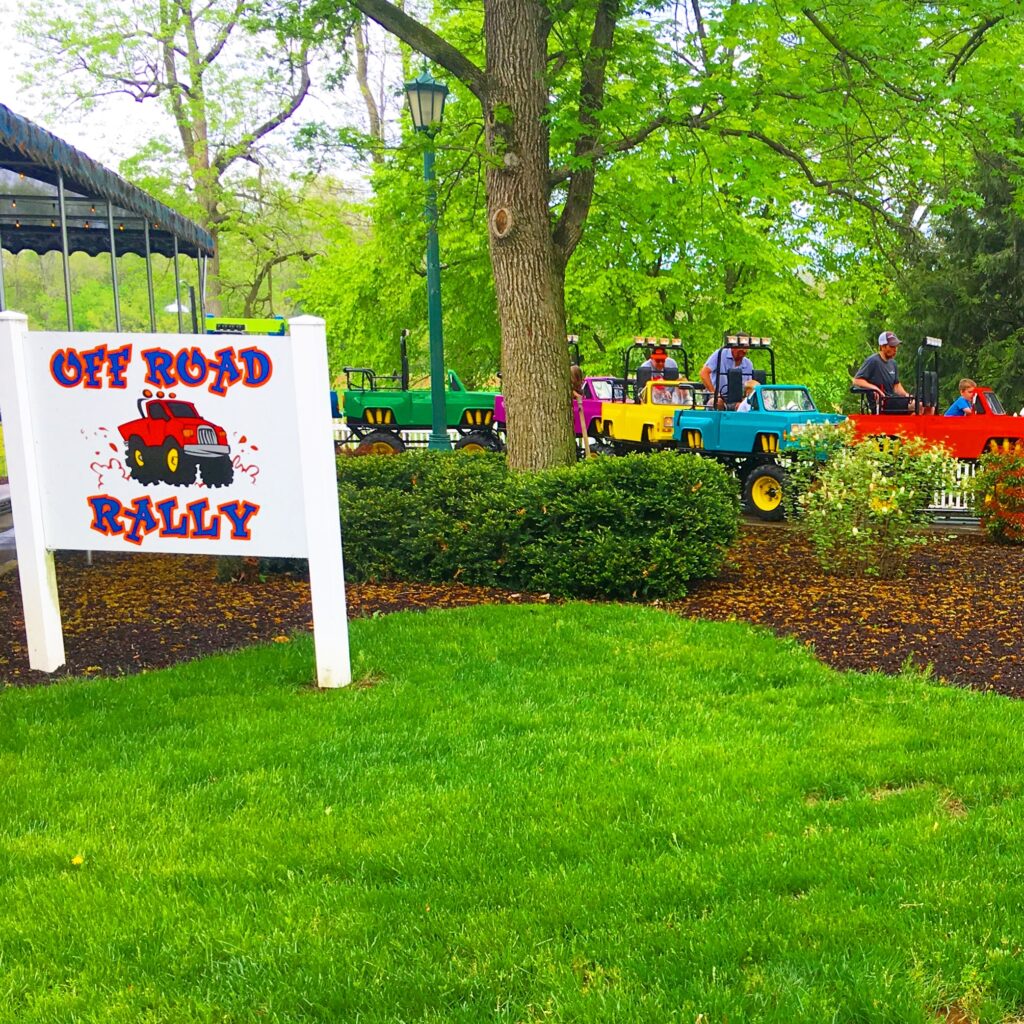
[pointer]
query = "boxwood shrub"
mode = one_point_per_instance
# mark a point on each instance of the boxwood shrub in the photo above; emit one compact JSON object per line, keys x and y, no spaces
{"x":640,"y":526}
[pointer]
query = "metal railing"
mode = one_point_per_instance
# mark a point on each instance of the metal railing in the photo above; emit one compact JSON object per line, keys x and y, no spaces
{"x":343,"y":435}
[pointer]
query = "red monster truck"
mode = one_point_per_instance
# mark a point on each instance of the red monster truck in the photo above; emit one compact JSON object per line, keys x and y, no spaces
{"x":170,"y":439}
{"x":986,"y":428}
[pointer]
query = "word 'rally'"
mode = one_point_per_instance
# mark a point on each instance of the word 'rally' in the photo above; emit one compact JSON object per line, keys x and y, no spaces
{"x":165,"y":518}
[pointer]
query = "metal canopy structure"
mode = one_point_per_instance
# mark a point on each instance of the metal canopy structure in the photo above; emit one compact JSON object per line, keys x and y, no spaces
{"x":53,"y":198}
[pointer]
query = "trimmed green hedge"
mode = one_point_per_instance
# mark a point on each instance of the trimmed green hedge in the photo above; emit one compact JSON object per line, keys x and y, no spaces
{"x":640,"y":526}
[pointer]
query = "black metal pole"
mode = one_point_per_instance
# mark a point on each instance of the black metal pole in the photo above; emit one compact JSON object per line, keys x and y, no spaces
{"x":177,"y":285}
{"x":149,"y":283}
{"x":65,"y":251}
{"x":113,"y":266}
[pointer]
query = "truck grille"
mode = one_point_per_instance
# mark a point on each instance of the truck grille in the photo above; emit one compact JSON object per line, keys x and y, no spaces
{"x":207,"y":435}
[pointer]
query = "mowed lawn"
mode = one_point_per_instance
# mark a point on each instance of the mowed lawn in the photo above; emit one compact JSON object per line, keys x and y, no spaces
{"x":3,"y":457}
{"x":530,"y":813}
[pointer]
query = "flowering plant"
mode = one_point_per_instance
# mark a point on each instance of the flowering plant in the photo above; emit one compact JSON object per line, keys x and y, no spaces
{"x":861,"y":503}
{"x":998,"y":493}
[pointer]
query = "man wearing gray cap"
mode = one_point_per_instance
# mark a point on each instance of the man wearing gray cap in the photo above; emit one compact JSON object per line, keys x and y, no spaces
{"x":881,"y":378}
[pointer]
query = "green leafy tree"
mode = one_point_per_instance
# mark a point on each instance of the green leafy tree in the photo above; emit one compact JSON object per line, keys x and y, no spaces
{"x":867,"y":105}
{"x":965,"y":283}
{"x":229,"y":73}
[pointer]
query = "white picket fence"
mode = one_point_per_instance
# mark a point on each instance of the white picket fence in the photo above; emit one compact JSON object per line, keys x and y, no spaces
{"x":956,"y":502}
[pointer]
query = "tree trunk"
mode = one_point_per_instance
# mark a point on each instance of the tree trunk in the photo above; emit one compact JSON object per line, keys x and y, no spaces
{"x":528,"y":277}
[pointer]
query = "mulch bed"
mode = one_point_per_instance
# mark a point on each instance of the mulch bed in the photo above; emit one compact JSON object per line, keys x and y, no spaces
{"x":959,"y":608}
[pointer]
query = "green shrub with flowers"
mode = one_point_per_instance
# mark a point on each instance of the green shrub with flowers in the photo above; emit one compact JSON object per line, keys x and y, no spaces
{"x":861,"y":504}
{"x":998,"y":493}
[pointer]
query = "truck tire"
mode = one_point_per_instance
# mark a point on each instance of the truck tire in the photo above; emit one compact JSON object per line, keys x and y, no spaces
{"x":763,"y":491}
{"x":479,"y":441}
{"x":381,"y":442}
{"x":175,"y":466}
{"x":217,"y":472}
{"x":143,"y":461}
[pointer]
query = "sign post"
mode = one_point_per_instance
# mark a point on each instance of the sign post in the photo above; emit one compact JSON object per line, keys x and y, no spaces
{"x":320,"y":505}
{"x":35,"y":563}
{"x":172,"y":443}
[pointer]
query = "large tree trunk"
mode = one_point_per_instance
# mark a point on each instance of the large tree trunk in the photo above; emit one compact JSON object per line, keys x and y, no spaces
{"x":528,"y":276}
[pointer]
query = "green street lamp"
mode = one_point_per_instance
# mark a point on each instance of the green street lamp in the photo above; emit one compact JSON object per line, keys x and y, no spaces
{"x":426,"y":104}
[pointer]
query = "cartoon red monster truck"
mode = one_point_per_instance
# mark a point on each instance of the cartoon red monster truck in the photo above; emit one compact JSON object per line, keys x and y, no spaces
{"x":170,"y":439}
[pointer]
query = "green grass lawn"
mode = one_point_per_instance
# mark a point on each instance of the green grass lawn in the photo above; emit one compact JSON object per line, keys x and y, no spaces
{"x":577,"y":813}
{"x":3,"y":457}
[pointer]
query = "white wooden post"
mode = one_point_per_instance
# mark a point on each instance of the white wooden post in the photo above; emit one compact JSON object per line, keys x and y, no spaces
{"x":320,"y":501}
{"x":35,"y":563}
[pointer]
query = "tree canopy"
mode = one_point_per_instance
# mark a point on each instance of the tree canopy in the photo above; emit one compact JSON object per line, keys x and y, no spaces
{"x":809,"y":172}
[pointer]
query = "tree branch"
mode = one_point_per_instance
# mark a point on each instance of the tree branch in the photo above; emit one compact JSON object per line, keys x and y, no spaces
{"x":569,"y":228}
{"x":968,"y":49}
{"x":628,"y":142}
{"x":265,"y":268}
{"x":243,"y":148}
{"x":808,"y":172}
{"x":838,"y":46}
{"x":701,"y":31}
{"x":427,"y":42}
{"x":222,"y":37}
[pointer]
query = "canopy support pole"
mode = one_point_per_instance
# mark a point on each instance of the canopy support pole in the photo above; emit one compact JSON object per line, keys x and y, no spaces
{"x":202,"y":292}
{"x":177,"y":286}
{"x":3,"y":294}
{"x":65,"y":251}
{"x":113,"y":267}
{"x":149,"y":283}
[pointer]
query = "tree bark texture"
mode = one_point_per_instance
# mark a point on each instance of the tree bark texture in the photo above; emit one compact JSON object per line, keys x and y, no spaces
{"x":528,"y":275}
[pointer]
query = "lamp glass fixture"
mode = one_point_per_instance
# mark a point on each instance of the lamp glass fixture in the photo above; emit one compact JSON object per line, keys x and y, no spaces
{"x":426,"y":101}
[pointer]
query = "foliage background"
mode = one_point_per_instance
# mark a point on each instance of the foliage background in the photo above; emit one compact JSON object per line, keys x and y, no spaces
{"x":914,"y":225}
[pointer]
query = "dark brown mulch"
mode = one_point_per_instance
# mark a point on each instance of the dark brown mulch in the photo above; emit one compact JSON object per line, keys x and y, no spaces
{"x":128,"y":613}
{"x":960,"y":609}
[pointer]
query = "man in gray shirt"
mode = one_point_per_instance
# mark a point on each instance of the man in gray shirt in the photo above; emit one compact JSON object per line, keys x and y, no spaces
{"x":881,"y":378}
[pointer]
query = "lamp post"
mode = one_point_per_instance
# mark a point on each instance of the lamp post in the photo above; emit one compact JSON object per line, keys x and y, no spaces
{"x":426,"y":104}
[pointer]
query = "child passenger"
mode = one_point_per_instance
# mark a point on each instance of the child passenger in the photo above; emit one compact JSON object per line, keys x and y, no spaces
{"x":964,"y":405}
{"x":748,"y":391}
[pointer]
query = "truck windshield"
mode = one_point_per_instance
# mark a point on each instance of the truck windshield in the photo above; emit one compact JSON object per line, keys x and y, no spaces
{"x":671,"y":394}
{"x":602,"y":389}
{"x":182,"y":410}
{"x":993,"y":403}
{"x":786,"y":400}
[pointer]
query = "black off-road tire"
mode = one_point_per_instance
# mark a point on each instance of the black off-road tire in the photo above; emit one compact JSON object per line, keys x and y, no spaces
{"x":381,"y":442}
{"x":175,"y":466}
{"x":143,"y":462}
{"x":478,"y":442}
{"x":217,"y":472}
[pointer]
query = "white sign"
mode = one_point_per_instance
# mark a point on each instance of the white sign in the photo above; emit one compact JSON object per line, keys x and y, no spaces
{"x":172,"y":443}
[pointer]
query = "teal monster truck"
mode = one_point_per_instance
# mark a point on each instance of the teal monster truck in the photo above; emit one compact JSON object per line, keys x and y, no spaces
{"x":749,"y":432}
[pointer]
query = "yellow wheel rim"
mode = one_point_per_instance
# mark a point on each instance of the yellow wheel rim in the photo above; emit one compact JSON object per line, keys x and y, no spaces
{"x":473,"y":449}
{"x":172,"y":460}
{"x":138,"y":458}
{"x":767,"y":493}
{"x":380,"y":448}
